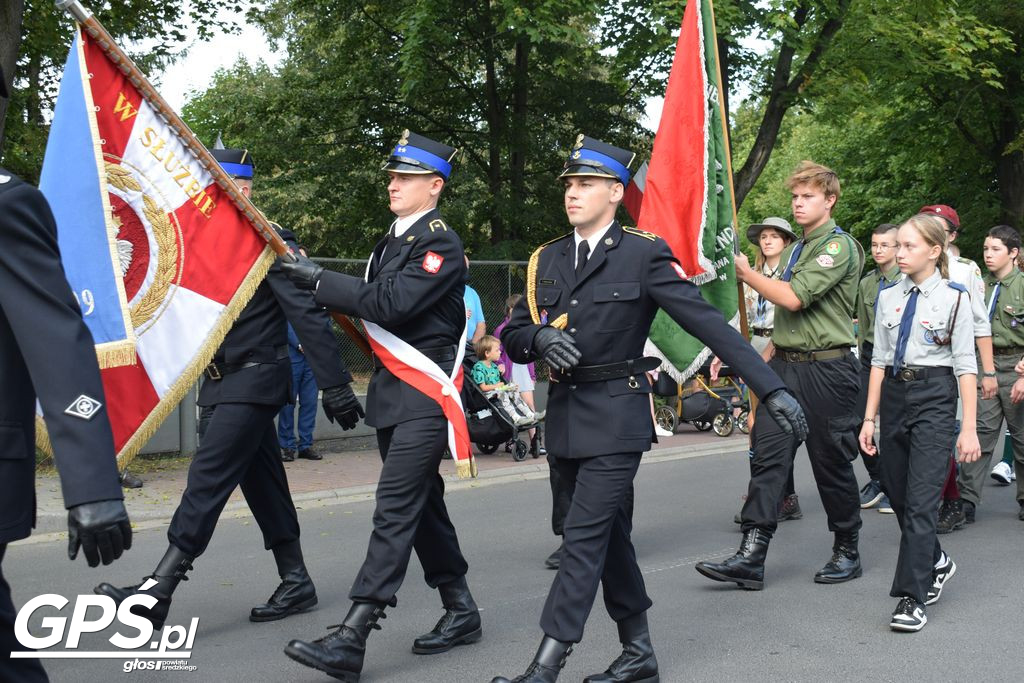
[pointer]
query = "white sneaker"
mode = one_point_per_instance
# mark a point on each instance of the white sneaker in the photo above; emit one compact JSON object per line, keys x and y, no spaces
{"x":1002,"y":473}
{"x":662,"y":432}
{"x":943,"y":572}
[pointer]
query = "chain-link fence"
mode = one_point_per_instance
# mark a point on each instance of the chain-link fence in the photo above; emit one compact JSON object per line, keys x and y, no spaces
{"x":494,"y":281}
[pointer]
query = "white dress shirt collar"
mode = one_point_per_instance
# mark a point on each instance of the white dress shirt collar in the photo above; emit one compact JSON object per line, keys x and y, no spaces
{"x":593,"y":240}
{"x":403,"y":224}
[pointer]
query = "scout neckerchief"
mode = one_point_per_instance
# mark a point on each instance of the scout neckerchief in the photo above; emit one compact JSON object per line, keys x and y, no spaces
{"x":906,"y":322}
{"x":994,"y":300}
{"x":409,"y":365}
{"x":762,"y":303}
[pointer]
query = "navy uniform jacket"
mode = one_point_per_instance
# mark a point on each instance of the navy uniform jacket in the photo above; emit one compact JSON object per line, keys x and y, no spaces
{"x":260,"y":335}
{"x":46,"y":352}
{"x":609,"y":314}
{"x":413,"y":295}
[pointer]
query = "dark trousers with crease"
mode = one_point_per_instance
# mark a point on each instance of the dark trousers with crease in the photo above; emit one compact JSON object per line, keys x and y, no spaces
{"x":827,"y":391}
{"x":410,"y":513}
{"x":918,"y":433}
{"x":870,"y":461}
{"x":598,"y":548}
{"x":561,"y":498}
{"x":238,"y":448}
{"x":20,"y":670}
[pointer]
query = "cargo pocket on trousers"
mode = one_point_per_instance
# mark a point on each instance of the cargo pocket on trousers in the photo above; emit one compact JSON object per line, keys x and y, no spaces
{"x":845,"y":432}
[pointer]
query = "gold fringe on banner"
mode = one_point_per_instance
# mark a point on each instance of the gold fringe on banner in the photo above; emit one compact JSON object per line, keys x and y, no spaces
{"x":116,"y":354}
{"x":466,"y":470}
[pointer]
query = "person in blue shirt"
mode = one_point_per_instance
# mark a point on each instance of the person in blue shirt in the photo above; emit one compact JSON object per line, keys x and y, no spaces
{"x":475,"y":323}
{"x":304,"y":387}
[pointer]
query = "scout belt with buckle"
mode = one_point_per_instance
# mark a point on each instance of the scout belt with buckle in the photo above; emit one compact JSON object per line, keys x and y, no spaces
{"x":601,"y":373}
{"x":914,"y":374}
{"x":438,"y":354}
{"x":761,"y":331}
{"x":216,"y":371}
{"x":1008,"y":350}
{"x":811,"y":356}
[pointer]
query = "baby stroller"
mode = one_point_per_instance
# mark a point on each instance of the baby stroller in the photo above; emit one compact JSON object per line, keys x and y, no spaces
{"x":489,"y":425}
{"x":702,"y":405}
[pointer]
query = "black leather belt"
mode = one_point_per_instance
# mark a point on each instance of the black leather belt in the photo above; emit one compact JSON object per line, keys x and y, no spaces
{"x":1008,"y":351}
{"x":601,"y":373}
{"x":914,"y":374}
{"x":216,"y":371}
{"x":438,"y":354}
{"x":811,"y":356}
{"x":761,"y":331}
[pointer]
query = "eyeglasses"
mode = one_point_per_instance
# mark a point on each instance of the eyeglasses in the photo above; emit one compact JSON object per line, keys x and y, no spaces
{"x":882,"y":247}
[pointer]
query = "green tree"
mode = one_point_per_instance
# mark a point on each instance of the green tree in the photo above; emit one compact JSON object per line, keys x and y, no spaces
{"x":34,"y":41}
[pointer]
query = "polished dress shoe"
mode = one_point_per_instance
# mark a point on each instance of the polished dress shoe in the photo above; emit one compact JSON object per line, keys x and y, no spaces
{"x":845,"y":562}
{"x":340,"y":654}
{"x":637,"y":663}
{"x":746,"y":567}
{"x":554,"y":560}
{"x":296,"y":592}
{"x":546,"y":665}
{"x":164,"y":579}
{"x":460,"y":624}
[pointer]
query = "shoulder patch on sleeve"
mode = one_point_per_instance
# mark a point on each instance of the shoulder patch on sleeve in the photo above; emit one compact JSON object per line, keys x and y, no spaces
{"x":957,"y":286}
{"x":833,"y":247}
{"x":640,"y":233}
{"x":437,"y":224}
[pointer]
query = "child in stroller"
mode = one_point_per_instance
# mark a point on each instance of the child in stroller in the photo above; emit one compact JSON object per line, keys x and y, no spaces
{"x":487,"y":375}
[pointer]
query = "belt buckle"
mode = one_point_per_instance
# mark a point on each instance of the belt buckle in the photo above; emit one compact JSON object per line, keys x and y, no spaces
{"x":212,"y":372}
{"x":907,"y":375}
{"x":793,"y":356}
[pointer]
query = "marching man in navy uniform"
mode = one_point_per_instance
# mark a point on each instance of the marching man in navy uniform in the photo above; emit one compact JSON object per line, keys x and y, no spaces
{"x":47,"y":354}
{"x":591,"y":296}
{"x":411,"y":304}
{"x":243,"y":390}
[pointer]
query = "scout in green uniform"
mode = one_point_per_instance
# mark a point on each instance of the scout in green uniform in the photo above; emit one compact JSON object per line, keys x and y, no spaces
{"x":885,"y":274}
{"x":814,"y":304}
{"x":1004,"y":289}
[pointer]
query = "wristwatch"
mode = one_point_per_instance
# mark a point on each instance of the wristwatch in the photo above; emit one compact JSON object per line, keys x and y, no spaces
{"x":988,"y":374}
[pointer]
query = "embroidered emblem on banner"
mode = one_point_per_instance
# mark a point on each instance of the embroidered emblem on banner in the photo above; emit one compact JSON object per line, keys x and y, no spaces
{"x":84,"y":407}
{"x":432,"y":262}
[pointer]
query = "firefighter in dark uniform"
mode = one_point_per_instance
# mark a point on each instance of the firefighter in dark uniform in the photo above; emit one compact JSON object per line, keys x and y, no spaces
{"x":412,"y":289}
{"x":246,"y":384}
{"x":47,"y":354}
{"x":590,"y":300}
{"x":815,"y":300}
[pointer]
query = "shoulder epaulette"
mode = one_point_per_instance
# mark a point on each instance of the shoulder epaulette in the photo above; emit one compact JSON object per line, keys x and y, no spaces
{"x":957,"y":286}
{"x":639,"y":233}
{"x":437,"y":224}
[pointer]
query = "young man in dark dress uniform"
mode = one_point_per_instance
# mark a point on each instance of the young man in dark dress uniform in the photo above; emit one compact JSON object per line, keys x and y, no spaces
{"x":591,"y":297}
{"x":243,"y":390}
{"x":412,"y":295}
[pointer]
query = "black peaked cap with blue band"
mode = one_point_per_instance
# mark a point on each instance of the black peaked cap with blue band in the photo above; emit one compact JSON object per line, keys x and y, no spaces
{"x":237,"y":163}
{"x":595,"y":158}
{"x":417,"y":154}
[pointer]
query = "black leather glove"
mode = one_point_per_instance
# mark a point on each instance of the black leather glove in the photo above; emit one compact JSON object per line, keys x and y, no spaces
{"x":557,"y":348}
{"x":101,"y":529}
{"x":787,"y":413}
{"x":303,"y":272}
{"x":341,"y":404}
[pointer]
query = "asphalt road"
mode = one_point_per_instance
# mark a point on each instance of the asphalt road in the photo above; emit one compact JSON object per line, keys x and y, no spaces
{"x":794,"y":630}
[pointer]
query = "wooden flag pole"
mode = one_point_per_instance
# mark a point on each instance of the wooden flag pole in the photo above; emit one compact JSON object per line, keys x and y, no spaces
{"x":741,"y":295}
{"x":258,"y":221}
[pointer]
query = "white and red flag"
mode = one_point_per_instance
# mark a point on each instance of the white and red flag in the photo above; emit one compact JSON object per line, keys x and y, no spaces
{"x":160,"y":257}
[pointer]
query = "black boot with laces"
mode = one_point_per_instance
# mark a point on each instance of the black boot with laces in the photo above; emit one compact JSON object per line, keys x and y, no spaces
{"x":160,"y":584}
{"x":546,"y":665}
{"x":340,"y":654}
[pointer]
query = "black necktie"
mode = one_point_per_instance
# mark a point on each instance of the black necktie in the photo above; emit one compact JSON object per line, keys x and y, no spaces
{"x":581,"y":257}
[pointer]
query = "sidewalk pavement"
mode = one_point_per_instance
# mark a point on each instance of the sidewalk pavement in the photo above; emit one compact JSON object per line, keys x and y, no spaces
{"x":348,"y":472}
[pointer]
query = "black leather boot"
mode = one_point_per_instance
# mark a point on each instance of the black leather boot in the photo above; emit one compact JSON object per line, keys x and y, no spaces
{"x":340,"y":654}
{"x":637,"y":663}
{"x":460,"y":624}
{"x":845,"y":562}
{"x":746,"y":567}
{"x":166,"y":577}
{"x":546,"y":665}
{"x":296,"y":592}
{"x":554,"y":560}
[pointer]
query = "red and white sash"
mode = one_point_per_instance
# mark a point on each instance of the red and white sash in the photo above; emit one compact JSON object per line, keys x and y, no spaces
{"x":406,"y":363}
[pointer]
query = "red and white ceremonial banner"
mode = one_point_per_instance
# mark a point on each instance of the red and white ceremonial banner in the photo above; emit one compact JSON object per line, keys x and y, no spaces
{"x":633,"y":198}
{"x":189,"y":259}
